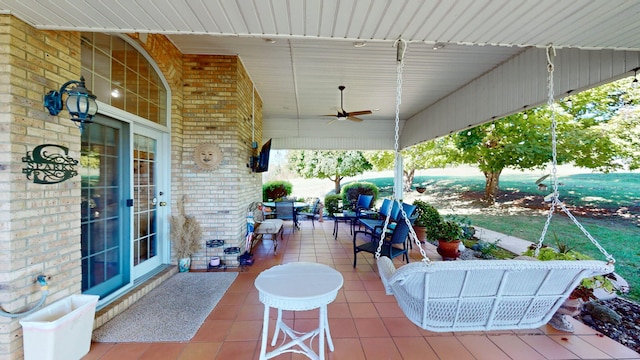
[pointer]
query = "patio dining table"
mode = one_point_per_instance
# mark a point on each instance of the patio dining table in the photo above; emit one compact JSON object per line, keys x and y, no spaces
{"x":297,"y":205}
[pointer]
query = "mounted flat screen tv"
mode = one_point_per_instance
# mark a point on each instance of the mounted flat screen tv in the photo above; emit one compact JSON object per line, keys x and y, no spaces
{"x":261,"y":163}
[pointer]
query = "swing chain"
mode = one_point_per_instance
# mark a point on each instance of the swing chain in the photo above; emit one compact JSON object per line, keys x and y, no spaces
{"x":401,"y":48}
{"x":551,"y":52}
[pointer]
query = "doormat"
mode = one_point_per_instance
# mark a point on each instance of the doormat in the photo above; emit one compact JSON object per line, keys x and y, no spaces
{"x":174,"y":311}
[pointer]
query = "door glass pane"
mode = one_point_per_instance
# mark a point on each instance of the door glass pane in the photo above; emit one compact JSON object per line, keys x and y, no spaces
{"x":101,"y":245}
{"x":145,"y":201}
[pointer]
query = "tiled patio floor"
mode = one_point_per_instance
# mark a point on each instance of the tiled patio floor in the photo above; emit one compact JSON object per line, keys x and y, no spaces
{"x":365,"y":323}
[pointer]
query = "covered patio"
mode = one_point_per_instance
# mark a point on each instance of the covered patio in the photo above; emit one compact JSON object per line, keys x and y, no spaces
{"x":188,"y":91}
{"x":365,"y":323}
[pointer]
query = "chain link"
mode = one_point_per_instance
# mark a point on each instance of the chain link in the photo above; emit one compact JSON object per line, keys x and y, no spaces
{"x":402,"y":46}
{"x":555,"y":202}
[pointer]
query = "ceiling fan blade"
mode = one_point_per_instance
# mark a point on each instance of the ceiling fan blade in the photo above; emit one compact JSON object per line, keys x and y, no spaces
{"x":332,"y":121}
{"x":362,"y":112}
{"x":353,"y":118}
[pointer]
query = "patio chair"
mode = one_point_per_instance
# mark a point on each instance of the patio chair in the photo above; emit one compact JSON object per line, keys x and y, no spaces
{"x":374,"y":226}
{"x":315,"y":211}
{"x":285,"y":210}
{"x":394,"y":244}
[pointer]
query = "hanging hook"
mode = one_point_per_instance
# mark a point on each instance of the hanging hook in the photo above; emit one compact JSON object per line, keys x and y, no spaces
{"x":551,"y":53}
{"x":401,"y":46}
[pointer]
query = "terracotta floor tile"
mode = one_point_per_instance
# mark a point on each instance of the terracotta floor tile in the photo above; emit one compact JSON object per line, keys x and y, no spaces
{"x":449,"y":348}
{"x":547,"y":347}
{"x":97,"y":350}
{"x":579,"y":347}
{"x":213,"y":330}
{"x":232,"y":298}
{"x":224,"y":312}
{"x":353,"y":285}
{"x":346,"y":349}
{"x":514,"y":347}
{"x":250,"y":312}
{"x":380,"y":349}
{"x":387,"y":309}
{"x":245,"y":330}
{"x":342,"y":328}
{"x":380,"y":296}
{"x":356,"y":296}
{"x":234,"y":350}
{"x":611,"y":347}
{"x":204,"y":350}
{"x":414,"y":348}
{"x":164,"y":351}
{"x":400,"y":326}
{"x":309,"y":314}
{"x":126,"y":351}
{"x":338,"y":310}
{"x":482,"y":348}
{"x":252,"y":297}
{"x":363,"y":310}
{"x":373,"y":285}
{"x":365,"y":323}
{"x":371,"y":327}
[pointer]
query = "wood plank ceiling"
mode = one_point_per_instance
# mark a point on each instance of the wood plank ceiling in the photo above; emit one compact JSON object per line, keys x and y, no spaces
{"x":298,"y":52}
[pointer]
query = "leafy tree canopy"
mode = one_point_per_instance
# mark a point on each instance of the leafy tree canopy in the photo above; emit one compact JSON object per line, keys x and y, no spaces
{"x":329,"y":164}
{"x":425,"y":155}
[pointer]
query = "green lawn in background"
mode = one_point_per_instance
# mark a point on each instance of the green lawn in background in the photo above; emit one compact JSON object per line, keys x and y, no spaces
{"x":620,"y":239}
{"x":606,"y":191}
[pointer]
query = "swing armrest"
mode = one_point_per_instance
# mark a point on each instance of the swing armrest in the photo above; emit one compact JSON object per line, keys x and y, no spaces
{"x":386,"y":269}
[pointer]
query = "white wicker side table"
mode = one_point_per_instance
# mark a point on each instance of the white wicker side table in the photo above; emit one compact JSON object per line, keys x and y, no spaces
{"x":297,"y":286}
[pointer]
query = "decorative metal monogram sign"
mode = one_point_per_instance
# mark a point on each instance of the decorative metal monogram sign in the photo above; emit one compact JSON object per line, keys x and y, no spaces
{"x":49,"y":164}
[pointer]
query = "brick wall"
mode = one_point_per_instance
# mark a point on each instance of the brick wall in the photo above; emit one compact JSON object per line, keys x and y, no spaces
{"x":217,"y":109}
{"x":39,"y":224}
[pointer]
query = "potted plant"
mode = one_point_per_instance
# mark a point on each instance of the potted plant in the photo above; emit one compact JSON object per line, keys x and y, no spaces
{"x":186,"y":235}
{"x":427,"y":220}
{"x":448,"y":233}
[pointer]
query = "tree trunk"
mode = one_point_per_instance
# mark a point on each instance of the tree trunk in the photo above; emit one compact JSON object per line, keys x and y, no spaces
{"x":408,"y":179}
{"x":336,"y":183}
{"x":491,"y":187}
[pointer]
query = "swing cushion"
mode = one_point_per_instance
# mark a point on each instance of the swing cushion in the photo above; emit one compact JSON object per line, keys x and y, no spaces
{"x":474,"y":295}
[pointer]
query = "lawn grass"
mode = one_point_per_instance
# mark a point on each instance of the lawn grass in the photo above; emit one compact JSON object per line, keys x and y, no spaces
{"x":611,"y":191}
{"x":620,"y":239}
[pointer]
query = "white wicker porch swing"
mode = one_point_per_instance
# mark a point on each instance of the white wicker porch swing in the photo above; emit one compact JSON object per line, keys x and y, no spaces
{"x":476,"y":295}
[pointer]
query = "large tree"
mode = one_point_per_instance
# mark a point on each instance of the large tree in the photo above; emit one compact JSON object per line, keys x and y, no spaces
{"x":586,"y":136}
{"x":333,"y":165}
{"x":426,"y":155}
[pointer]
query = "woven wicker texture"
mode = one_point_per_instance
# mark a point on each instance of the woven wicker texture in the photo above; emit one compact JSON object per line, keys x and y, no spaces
{"x":484,"y":294}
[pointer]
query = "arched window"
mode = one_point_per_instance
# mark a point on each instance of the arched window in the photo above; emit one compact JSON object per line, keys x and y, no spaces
{"x":119,"y":75}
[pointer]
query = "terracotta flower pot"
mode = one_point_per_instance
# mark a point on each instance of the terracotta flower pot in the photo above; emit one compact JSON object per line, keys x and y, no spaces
{"x":421,"y":189}
{"x":449,"y":250}
{"x":421,"y":233}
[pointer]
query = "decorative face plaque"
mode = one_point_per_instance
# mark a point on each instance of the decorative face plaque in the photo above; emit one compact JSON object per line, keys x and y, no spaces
{"x":49,"y":164}
{"x":207,"y":156}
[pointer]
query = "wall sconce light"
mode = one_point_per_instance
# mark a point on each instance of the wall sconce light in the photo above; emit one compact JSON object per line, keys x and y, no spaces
{"x":634,"y":83}
{"x":81,"y":103}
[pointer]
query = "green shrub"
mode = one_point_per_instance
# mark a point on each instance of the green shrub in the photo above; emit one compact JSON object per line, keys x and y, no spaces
{"x":428,"y":216}
{"x":276,"y":189}
{"x":331,"y":203}
{"x":351,"y":191}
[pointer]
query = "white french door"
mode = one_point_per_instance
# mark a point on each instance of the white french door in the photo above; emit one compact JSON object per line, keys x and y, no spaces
{"x":150,"y":192}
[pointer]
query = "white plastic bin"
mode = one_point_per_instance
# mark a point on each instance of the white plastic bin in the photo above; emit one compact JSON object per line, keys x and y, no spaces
{"x":60,"y":331}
